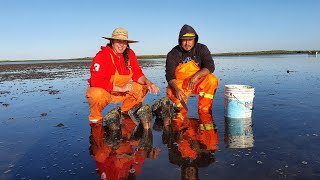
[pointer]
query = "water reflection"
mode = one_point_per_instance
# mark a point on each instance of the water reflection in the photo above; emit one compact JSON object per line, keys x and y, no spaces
{"x":120,"y":152}
{"x":191,"y":142}
{"x":238,"y":133}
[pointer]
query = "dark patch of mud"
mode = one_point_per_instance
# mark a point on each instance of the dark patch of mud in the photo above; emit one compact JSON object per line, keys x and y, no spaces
{"x":10,"y":72}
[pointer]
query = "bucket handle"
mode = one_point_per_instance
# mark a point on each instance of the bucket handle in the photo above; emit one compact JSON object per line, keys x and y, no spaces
{"x":240,"y":101}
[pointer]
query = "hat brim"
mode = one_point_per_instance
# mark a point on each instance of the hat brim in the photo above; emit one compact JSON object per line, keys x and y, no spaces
{"x":188,"y":37}
{"x":129,"y":41}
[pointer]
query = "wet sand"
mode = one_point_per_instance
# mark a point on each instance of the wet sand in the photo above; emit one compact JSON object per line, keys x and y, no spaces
{"x":44,"y":131}
{"x":10,"y":72}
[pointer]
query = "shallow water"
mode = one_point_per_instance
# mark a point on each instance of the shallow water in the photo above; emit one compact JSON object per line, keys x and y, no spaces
{"x":283,"y":141}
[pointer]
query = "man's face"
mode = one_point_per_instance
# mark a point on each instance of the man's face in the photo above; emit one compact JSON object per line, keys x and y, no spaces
{"x":187,"y":44}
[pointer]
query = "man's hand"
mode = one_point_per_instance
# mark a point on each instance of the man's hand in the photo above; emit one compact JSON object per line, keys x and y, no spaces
{"x":179,"y":94}
{"x":193,"y":82}
{"x":196,"y":77}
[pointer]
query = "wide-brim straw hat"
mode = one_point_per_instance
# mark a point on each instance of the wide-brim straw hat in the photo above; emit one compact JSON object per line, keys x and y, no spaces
{"x":120,"y":34}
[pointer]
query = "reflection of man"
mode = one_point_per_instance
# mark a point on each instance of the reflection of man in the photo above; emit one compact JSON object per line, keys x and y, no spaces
{"x":121,"y":157}
{"x":189,"y":68}
{"x":190,"y":143}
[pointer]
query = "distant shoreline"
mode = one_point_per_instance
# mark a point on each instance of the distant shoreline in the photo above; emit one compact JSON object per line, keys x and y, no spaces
{"x":271,"y":52}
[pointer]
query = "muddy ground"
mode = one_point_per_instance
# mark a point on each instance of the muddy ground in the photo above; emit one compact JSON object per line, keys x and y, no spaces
{"x":45,"y":134}
{"x":10,"y":72}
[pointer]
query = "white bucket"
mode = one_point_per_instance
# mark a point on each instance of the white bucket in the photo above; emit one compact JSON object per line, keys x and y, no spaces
{"x":238,"y":101}
{"x":238,"y":133}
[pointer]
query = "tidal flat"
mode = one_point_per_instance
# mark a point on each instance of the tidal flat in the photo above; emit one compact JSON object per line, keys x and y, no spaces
{"x":45,"y":134}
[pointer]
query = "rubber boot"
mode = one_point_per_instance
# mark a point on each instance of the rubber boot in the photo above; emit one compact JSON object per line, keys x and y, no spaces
{"x":205,"y":104}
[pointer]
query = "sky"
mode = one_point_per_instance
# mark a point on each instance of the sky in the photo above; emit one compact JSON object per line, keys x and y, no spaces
{"x":60,"y":29}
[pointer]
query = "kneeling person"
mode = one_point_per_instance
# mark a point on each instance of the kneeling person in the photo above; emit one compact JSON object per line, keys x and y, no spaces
{"x":189,"y":68}
{"x":117,"y":77}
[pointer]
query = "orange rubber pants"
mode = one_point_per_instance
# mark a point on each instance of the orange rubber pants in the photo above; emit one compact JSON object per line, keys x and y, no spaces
{"x":205,"y":88}
{"x":100,"y":150}
{"x":99,"y":98}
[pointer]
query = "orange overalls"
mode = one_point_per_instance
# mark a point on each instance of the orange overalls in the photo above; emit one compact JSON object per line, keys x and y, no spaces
{"x":100,"y":150}
{"x":119,"y":162}
{"x":192,"y":131}
{"x":99,"y":98}
{"x":205,"y":88}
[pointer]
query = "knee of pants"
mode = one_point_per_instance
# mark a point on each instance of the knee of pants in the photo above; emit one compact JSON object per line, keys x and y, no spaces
{"x":139,"y":89}
{"x":96,"y":94}
{"x":212,"y":80}
{"x":171,"y":96}
{"x":209,"y":84}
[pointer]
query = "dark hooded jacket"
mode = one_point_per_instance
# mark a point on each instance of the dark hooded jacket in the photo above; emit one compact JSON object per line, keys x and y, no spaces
{"x":200,"y":53}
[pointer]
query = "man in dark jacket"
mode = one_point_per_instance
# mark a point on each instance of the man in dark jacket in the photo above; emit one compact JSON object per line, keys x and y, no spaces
{"x":189,"y":68}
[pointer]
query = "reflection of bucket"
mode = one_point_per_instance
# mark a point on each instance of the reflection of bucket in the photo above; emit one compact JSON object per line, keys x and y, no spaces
{"x":238,"y":133}
{"x":238,"y":101}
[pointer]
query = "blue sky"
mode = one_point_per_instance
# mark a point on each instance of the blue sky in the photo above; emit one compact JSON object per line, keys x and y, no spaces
{"x":49,"y":29}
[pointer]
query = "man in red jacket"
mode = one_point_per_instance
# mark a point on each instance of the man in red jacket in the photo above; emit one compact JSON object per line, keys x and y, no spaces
{"x":117,"y":77}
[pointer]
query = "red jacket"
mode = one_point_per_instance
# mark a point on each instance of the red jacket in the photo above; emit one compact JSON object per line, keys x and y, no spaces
{"x":102,"y":68}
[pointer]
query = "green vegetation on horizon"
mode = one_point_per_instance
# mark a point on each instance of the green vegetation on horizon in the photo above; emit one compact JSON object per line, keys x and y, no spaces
{"x":266,"y":52}
{"x":216,"y":54}
{"x":232,"y":54}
